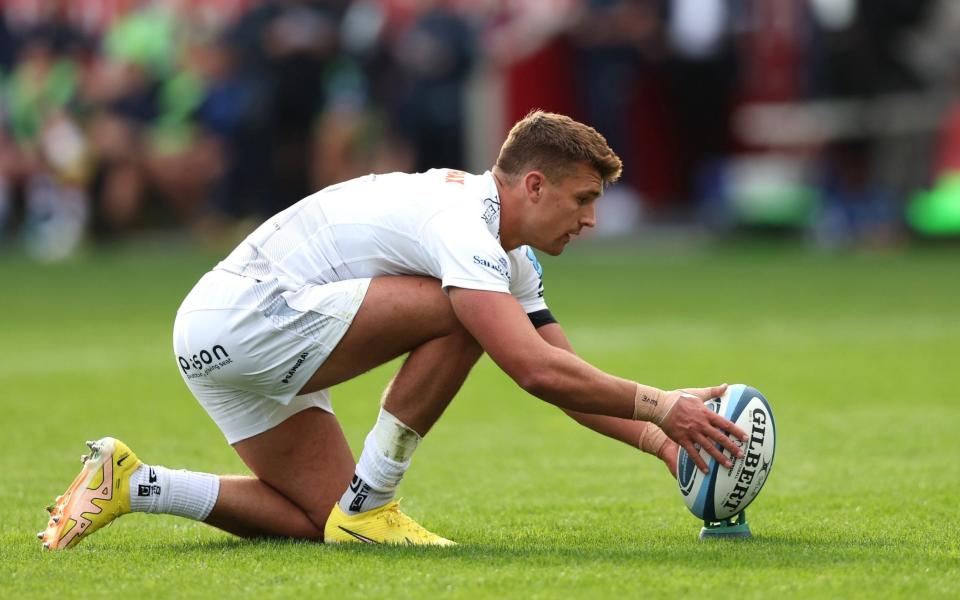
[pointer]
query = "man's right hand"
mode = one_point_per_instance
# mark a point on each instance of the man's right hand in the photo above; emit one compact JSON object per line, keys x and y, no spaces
{"x":692,"y":425}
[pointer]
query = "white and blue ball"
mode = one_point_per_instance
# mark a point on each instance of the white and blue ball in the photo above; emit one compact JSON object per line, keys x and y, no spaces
{"x":723,"y":492}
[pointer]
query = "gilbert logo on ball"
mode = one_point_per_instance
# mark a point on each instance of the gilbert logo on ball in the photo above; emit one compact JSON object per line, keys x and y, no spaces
{"x":723,"y":493}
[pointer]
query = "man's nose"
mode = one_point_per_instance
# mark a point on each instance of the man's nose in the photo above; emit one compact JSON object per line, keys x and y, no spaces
{"x":589,"y":216}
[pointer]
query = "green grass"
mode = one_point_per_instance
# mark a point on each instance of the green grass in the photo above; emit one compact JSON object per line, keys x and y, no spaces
{"x":857,"y":353}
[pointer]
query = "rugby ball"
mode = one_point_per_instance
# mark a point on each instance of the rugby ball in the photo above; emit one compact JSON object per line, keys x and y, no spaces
{"x":723,"y":493}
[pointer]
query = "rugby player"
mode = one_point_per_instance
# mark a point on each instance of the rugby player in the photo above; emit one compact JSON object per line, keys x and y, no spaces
{"x":436,"y":265}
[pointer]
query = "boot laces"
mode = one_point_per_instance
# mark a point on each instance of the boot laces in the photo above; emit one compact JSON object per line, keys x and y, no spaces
{"x":396,"y":518}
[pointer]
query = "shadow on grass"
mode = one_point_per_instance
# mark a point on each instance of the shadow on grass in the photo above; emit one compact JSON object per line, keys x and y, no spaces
{"x":767,"y":550}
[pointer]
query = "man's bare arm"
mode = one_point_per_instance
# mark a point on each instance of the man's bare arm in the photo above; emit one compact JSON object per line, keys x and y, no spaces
{"x":625,"y":430}
{"x":637,"y":434}
{"x":557,"y":376}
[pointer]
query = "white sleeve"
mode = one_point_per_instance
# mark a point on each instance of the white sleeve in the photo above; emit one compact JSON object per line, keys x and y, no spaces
{"x":464,"y":253}
{"x":527,"y":282}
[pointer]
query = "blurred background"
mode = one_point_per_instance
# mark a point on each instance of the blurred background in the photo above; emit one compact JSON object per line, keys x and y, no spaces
{"x":834,"y":122}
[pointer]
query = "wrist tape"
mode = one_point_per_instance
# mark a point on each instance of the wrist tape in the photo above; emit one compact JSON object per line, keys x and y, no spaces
{"x":652,"y":404}
{"x":652,"y":439}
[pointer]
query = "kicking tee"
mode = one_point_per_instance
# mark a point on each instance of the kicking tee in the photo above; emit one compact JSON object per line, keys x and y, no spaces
{"x":443,"y":224}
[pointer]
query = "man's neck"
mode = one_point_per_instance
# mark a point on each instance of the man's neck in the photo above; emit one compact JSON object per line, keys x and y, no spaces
{"x":510,"y":237}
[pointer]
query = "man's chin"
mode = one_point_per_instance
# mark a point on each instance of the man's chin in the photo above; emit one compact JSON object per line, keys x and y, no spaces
{"x":554,"y":250}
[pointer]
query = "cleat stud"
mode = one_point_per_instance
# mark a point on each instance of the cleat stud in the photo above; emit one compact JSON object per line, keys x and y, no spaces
{"x":84,"y":458}
{"x":49,"y":508}
{"x":46,"y":545}
{"x":40,"y":535}
{"x":55,"y":519}
{"x":90,"y":444}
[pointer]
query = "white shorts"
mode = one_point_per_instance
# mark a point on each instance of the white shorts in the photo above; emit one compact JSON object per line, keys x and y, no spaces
{"x":246,"y":347}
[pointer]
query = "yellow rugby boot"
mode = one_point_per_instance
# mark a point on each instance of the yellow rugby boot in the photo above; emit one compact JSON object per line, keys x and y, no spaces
{"x":383,"y":525}
{"x":98,"y":495}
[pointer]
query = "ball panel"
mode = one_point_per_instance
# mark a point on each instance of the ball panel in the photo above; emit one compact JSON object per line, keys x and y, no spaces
{"x":734,"y":401}
{"x":686,"y":474}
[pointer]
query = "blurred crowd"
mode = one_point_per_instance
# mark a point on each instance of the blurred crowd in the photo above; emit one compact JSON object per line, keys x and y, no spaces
{"x":119,"y":116}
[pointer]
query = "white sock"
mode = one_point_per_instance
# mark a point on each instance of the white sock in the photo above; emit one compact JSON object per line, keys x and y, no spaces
{"x":397,"y":441}
{"x":386,"y":456}
{"x":183,"y":493}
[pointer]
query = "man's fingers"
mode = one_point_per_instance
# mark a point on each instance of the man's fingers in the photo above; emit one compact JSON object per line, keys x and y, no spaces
{"x":717,"y":391}
{"x":712,"y":449}
{"x":701,"y":394}
{"x":728,"y":426}
{"x":707,"y":393}
{"x":695,"y":455}
{"x":725,"y":441}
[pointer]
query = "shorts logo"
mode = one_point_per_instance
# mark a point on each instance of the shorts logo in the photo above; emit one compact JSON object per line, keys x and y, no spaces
{"x":303,"y":357}
{"x":203,"y":362}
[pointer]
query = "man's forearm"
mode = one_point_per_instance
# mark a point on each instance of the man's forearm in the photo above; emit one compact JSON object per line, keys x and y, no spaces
{"x":548,"y":371}
{"x":624,"y":430}
{"x":627,"y":431}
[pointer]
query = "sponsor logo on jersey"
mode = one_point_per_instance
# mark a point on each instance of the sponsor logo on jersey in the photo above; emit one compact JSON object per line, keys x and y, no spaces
{"x":455,"y":176}
{"x":204,"y":362}
{"x":303,"y":357}
{"x":491,"y":210}
{"x":500,"y":266}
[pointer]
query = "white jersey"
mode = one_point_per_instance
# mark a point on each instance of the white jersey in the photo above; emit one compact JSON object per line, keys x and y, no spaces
{"x":442,"y":223}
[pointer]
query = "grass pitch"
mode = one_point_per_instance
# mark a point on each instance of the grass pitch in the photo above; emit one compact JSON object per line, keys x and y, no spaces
{"x":858,"y":355}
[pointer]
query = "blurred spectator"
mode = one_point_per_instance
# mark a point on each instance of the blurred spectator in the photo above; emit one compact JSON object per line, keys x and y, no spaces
{"x":44,"y":155}
{"x":702,"y":73}
{"x":527,"y":46}
{"x":857,"y":209}
{"x":615,"y":44}
{"x":123,"y":115}
{"x":140,"y":50}
{"x":282,"y":49}
{"x":354,"y":135}
{"x":860,"y":54}
{"x":435,"y":55}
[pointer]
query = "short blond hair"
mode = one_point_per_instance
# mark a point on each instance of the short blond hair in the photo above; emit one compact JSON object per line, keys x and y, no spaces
{"x":550,"y":142}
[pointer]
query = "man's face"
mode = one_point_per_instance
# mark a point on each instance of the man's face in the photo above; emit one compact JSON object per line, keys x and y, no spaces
{"x":565,"y":207}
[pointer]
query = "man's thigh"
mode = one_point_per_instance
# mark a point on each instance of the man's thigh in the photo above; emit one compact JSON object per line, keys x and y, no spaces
{"x":398,"y":314}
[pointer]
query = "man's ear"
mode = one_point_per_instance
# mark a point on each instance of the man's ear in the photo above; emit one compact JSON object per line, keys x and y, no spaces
{"x":533,"y":185}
